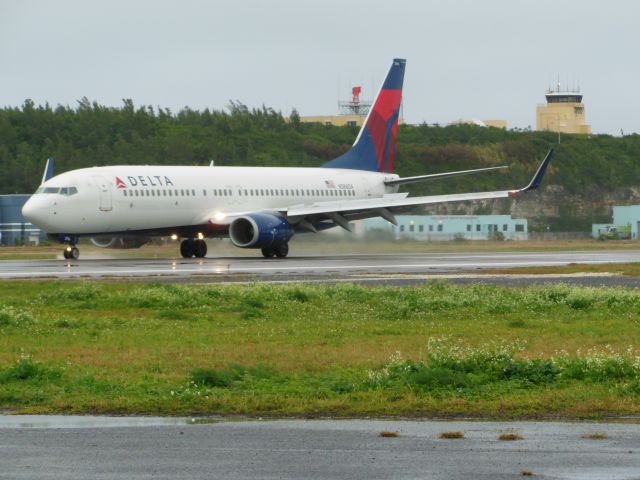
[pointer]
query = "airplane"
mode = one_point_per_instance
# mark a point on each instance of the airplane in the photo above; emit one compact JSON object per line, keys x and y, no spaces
{"x":256,"y":207}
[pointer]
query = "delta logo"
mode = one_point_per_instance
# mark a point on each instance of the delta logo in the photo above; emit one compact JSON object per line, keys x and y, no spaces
{"x":145,"y":181}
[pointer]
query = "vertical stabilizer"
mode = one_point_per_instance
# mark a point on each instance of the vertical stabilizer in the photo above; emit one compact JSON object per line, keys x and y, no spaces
{"x":375,"y":147}
{"x":48,"y":170}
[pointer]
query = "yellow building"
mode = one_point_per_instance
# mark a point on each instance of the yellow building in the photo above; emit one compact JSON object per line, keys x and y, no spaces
{"x":563,"y":112}
{"x":338,"y":120}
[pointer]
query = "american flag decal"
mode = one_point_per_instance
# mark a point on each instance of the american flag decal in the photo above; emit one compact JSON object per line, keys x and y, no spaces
{"x":330,"y":184}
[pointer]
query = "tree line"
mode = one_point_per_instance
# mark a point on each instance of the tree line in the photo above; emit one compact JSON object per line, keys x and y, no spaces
{"x":91,"y":134}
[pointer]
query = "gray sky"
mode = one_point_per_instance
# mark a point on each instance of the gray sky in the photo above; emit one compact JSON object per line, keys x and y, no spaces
{"x":465,"y":58}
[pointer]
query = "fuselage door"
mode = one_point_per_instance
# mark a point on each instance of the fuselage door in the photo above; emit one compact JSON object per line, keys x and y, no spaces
{"x":104,"y":188}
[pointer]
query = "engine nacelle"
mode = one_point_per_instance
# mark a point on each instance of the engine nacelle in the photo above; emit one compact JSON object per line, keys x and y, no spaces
{"x":259,"y":230}
{"x":119,"y":242}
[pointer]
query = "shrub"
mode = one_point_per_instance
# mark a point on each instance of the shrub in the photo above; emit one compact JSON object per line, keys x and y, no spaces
{"x":10,"y":316}
{"x":25,"y":368}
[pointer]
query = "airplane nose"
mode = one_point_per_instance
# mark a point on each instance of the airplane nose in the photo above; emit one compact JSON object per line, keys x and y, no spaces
{"x":35,"y":212}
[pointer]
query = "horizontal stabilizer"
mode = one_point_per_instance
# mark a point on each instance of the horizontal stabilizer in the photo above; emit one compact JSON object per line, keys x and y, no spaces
{"x":434,"y":176}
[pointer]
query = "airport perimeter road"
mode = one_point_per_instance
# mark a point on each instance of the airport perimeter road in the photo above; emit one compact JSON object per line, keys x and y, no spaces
{"x":322,"y":449}
{"x":349,"y":267}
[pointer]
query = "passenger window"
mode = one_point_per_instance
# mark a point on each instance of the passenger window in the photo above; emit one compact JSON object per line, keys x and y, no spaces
{"x":204,"y":192}
{"x":193,"y":192}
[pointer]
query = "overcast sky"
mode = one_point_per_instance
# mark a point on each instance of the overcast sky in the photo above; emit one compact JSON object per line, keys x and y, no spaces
{"x":468,"y":59}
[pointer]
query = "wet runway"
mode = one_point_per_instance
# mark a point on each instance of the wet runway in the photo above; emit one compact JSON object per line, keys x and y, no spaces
{"x":74,"y":448}
{"x":390,"y":268}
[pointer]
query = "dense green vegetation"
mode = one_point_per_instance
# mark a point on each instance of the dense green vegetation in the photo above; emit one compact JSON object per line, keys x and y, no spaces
{"x":91,"y":134}
{"x":342,"y":350}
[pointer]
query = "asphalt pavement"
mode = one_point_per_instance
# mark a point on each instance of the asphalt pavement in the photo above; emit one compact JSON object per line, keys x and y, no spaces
{"x":316,"y":449}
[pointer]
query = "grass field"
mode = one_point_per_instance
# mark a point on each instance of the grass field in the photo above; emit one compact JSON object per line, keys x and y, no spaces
{"x":321,"y":350}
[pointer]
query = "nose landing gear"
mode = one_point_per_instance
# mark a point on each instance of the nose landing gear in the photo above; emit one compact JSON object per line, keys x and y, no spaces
{"x":71,"y":252}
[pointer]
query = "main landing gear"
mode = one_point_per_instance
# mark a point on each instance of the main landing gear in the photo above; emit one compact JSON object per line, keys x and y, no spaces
{"x":193,"y":248}
{"x":281,"y":251}
{"x":71,"y":252}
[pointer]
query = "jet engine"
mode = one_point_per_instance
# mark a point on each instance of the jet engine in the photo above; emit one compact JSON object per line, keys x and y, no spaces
{"x":119,"y":242}
{"x":259,"y":230}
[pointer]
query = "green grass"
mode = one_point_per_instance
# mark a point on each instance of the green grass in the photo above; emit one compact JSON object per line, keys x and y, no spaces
{"x":306,"y":350}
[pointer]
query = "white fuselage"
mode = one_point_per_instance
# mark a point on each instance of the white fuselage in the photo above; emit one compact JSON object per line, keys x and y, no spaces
{"x":140,"y":198}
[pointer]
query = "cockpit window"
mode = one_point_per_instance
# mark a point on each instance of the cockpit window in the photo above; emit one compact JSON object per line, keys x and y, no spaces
{"x":61,"y":190}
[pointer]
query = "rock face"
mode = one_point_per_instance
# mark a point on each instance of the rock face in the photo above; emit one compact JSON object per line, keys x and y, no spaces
{"x":552,"y":202}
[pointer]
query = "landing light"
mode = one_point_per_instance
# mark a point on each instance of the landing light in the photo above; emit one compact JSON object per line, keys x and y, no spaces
{"x":200,"y":236}
{"x":174,"y":237}
{"x":219,"y":215}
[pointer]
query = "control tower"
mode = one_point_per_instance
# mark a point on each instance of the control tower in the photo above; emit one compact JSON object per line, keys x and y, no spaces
{"x":563,"y":112}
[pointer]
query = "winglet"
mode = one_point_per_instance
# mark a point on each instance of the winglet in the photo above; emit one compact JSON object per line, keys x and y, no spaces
{"x":48,"y":170}
{"x":537,"y":178}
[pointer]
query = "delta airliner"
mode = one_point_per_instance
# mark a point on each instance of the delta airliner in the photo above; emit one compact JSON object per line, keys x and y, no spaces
{"x":256,"y":207}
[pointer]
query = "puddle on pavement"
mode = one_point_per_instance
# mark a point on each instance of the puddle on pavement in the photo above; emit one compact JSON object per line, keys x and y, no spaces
{"x":83,"y":421}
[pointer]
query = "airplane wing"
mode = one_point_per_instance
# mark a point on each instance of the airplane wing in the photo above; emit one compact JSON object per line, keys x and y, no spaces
{"x":341,"y":212}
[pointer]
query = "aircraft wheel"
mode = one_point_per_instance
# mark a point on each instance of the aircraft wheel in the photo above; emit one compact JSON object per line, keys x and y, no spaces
{"x":268,"y":252}
{"x":200,"y":250}
{"x":282,"y":250}
{"x":187,"y":248}
{"x":71,"y":253}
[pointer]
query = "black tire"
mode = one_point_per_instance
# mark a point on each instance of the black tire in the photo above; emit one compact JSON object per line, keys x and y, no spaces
{"x":187,"y":248}
{"x":268,"y":252}
{"x":282,"y":250}
{"x":200,"y":250}
{"x":66,"y":253}
{"x":75,"y":253}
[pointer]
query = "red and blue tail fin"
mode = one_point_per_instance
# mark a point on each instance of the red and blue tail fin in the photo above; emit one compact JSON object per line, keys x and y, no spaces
{"x":375,"y":148}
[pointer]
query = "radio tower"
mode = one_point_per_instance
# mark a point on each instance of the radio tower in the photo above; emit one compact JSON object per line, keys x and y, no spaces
{"x":355,"y":106}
